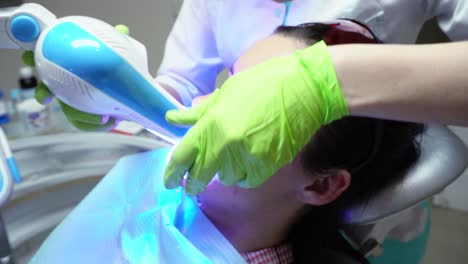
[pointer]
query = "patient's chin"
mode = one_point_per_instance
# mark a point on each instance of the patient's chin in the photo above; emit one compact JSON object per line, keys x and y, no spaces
{"x":219,"y":196}
{"x":217,"y":190}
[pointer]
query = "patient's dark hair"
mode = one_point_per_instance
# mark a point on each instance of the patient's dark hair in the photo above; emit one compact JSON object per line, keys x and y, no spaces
{"x":376,"y":152}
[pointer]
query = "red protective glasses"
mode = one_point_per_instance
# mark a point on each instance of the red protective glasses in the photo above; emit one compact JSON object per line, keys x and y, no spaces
{"x":345,"y":31}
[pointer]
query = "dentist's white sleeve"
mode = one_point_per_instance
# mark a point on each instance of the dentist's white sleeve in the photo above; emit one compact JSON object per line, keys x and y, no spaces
{"x":452,"y":16}
{"x":191,"y":62}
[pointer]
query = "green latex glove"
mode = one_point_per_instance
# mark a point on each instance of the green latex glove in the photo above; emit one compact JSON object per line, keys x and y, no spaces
{"x":257,"y":122}
{"x":81,"y":120}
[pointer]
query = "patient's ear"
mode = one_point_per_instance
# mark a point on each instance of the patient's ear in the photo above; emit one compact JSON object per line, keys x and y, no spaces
{"x":325,"y":189}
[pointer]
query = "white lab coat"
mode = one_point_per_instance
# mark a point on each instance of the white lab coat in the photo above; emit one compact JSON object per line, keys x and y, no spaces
{"x":210,"y":35}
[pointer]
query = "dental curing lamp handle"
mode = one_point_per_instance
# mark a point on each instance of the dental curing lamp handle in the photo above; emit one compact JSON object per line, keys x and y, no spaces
{"x":92,"y":67}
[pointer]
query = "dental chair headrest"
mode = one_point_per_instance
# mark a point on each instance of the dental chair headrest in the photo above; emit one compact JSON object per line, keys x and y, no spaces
{"x":442,"y":160}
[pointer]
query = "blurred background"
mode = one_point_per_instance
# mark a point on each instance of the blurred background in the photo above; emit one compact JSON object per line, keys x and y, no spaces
{"x":150,"y":22}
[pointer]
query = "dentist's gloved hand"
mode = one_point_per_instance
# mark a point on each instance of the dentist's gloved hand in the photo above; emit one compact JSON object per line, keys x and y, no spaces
{"x":257,"y":122}
{"x":79,"y":119}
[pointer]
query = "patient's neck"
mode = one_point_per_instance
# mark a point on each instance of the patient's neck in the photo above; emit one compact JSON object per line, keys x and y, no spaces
{"x":255,"y":229}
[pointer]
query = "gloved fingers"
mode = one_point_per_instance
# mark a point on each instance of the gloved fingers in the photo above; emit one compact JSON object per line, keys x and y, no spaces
{"x":244,"y":184}
{"x":249,"y":181}
{"x":232,"y":170}
{"x":42,"y":94}
{"x":191,"y":115}
{"x":206,"y":164}
{"x":111,"y":123}
{"x":76,"y":115}
{"x":201,"y":173}
{"x":182,"y":159}
{"x":257,"y":174}
{"x":28,"y":58}
{"x":231,"y":176}
{"x":183,"y":117}
{"x":174,"y":173}
{"x":122,"y":29}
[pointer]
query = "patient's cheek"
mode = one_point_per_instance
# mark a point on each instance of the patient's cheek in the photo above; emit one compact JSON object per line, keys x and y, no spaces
{"x":218,"y":198}
{"x":216,"y":190}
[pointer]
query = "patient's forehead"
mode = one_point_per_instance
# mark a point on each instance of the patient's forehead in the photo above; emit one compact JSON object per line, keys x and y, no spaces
{"x":273,"y":46}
